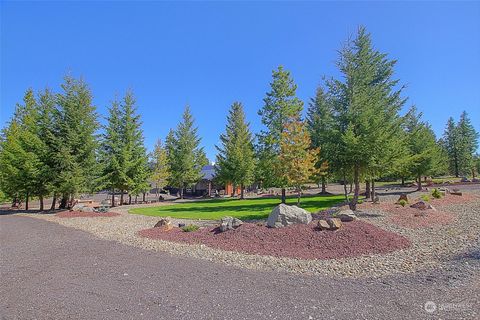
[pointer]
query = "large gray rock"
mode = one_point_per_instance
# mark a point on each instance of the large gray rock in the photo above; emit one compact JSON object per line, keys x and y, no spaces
{"x":229,"y":223}
{"x":346,"y":215}
{"x":82,"y":208}
{"x":283,"y":215}
{"x":423,"y":205}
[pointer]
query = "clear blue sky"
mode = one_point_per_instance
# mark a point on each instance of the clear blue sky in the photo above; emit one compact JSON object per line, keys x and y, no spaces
{"x":211,"y":54}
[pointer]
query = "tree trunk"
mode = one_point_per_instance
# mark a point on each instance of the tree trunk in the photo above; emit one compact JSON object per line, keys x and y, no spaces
{"x":299,"y":190}
{"x":144,"y":197}
{"x":373,"y":193}
{"x":403,"y":182}
{"x":129,"y":199}
{"x":113,"y":198}
{"x":121,"y":197}
{"x":345,"y":187}
{"x":419,"y":183}
{"x":26,"y":201}
{"x":324,"y":186}
{"x":234,"y":191}
{"x":63,"y":202}
{"x":351,"y":186}
{"x":242,"y":192}
{"x":356,"y":191}
{"x":181,"y":192}
{"x":54,"y":202}
{"x":367,"y":189}
{"x":41,"y":203}
{"x":284,"y":196}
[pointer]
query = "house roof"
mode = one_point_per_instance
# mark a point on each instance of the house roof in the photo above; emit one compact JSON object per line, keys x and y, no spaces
{"x":208,"y":172}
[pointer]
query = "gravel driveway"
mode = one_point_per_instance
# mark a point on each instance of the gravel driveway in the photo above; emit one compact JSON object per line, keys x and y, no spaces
{"x":49,"y":271}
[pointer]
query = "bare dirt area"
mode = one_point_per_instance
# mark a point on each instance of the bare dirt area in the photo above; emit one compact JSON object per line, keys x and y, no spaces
{"x":298,"y":241}
{"x":79,"y":214}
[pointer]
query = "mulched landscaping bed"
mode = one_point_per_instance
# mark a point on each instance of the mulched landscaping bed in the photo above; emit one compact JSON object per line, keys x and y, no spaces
{"x":298,"y":241}
{"x":77,"y":214}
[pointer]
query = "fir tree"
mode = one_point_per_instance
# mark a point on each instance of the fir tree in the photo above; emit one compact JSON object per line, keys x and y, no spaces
{"x":319,"y":124}
{"x":185,"y":156}
{"x":281,"y":106}
{"x":425,"y":152}
{"x":76,"y":125}
{"x":236,"y":160}
{"x":364,"y":111}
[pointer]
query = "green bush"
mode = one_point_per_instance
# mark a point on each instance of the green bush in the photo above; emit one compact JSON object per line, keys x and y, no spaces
{"x":436,"y":194}
{"x":425,"y":197}
{"x":360,"y":201}
{"x":190,"y":228}
{"x":402,"y":202}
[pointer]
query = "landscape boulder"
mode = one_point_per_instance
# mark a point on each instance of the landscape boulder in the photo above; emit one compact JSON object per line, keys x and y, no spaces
{"x":456,"y":193}
{"x":165,"y":223}
{"x":229,"y":223}
{"x":82,"y":208}
{"x":465,"y":179}
{"x":346,"y":215}
{"x":323,"y":225}
{"x":283,"y":215}
{"x":422,"y":205}
{"x":334,"y":223}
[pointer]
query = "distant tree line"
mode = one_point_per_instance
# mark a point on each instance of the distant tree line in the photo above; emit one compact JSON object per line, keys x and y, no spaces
{"x":353,"y":132}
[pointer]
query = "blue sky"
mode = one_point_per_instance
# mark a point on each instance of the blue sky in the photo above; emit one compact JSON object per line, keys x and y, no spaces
{"x":209,"y":54}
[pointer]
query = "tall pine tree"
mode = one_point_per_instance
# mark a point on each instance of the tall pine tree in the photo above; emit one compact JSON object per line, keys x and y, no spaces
{"x":281,"y":106}
{"x":185,"y":156}
{"x":236,"y":160}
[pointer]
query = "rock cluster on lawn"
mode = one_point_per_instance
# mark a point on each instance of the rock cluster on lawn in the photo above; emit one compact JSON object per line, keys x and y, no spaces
{"x":165,"y":223}
{"x":229,"y":223}
{"x":346,"y":215}
{"x":283,"y":215}
{"x":422,"y":205}
{"x":331,"y":224}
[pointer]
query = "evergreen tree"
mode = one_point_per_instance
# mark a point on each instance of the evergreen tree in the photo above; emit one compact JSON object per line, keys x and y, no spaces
{"x":425,"y":152}
{"x":297,"y":159}
{"x":319,"y":124}
{"x":185,"y":157}
{"x":460,"y":142}
{"x":76,"y":125}
{"x":468,"y":144}
{"x":281,"y":106}
{"x":451,"y":145}
{"x":160,"y":168}
{"x":113,"y":173}
{"x":364,"y":110}
{"x":236,"y":159}
{"x":134,"y":154}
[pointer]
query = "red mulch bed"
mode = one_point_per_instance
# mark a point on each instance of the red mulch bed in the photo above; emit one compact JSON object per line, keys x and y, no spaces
{"x":298,"y":241}
{"x":452,"y":199}
{"x":77,"y":214}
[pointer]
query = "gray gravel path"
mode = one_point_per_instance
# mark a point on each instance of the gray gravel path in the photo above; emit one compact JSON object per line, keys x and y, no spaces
{"x":49,"y":271}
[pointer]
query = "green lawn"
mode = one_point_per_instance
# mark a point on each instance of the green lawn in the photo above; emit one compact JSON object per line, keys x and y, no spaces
{"x":247,"y":209}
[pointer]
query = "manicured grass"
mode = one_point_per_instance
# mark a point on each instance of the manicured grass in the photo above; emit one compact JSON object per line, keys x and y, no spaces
{"x":247,"y":209}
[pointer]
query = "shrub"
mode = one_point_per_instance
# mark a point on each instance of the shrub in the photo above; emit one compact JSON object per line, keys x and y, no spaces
{"x":402,"y":202}
{"x":190,"y":228}
{"x":425,"y":197}
{"x":360,"y":201}
{"x":436,"y":194}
